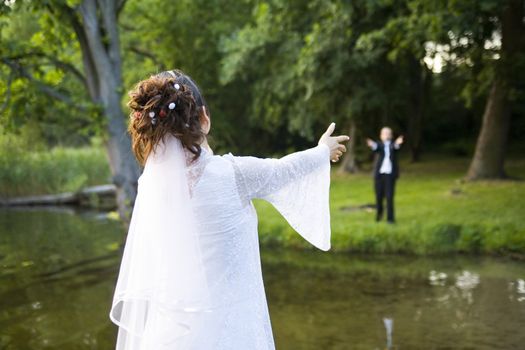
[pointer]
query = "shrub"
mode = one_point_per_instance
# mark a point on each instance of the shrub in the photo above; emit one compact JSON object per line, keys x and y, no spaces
{"x":31,"y":172}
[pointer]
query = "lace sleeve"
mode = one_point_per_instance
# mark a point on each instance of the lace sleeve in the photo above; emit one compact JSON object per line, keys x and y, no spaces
{"x":297,"y":185}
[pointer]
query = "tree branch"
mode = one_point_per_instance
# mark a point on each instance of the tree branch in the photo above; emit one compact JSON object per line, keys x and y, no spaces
{"x":45,"y":88}
{"x":147,"y":54}
{"x":69,"y":14}
{"x":91,"y":29}
{"x":120,"y":6}
{"x":108,"y":12}
{"x":66,"y":66}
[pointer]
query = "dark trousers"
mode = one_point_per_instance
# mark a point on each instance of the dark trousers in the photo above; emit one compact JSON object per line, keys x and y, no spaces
{"x":384,"y":185}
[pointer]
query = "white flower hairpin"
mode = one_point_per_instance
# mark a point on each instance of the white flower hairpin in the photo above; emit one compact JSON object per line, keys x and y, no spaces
{"x":172,"y":105}
{"x":176,"y":86}
{"x":152,"y":116}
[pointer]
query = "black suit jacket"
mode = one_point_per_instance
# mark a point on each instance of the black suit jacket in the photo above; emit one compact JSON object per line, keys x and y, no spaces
{"x":380,"y":155}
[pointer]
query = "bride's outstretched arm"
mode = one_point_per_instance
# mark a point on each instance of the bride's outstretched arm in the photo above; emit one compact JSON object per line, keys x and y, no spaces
{"x":262,"y":177}
{"x":297,"y":185}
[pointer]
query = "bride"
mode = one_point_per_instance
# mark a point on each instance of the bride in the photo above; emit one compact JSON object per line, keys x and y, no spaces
{"x":190,"y":276}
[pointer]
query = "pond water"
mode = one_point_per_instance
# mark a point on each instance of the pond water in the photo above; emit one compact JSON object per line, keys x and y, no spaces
{"x":58,"y":268}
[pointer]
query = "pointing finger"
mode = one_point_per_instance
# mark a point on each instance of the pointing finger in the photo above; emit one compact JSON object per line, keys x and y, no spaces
{"x":342,"y":138}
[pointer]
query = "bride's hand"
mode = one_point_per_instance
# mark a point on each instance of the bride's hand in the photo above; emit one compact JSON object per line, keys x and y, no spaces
{"x":334,"y":143}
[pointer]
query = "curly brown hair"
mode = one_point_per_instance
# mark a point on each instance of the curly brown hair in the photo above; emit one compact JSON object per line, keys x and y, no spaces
{"x":168,"y":103}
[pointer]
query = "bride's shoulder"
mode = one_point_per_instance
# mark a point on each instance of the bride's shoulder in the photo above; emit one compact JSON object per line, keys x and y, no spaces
{"x":228,"y":157}
{"x":221,"y":161}
{"x":234,"y":161}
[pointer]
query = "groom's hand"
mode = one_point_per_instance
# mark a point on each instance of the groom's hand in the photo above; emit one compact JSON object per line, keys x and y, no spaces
{"x":334,"y":143}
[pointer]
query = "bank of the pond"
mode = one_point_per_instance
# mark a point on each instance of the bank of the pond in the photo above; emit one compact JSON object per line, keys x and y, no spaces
{"x":436,"y":213}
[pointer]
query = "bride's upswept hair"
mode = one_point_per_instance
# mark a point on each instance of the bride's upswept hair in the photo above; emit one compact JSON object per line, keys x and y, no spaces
{"x":166,"y":103}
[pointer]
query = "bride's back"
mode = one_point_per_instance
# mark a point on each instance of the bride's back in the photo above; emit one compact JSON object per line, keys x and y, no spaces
{"x":227,"y":228}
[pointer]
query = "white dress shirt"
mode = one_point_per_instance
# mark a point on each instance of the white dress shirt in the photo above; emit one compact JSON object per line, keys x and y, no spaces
{"x":386,"y":165}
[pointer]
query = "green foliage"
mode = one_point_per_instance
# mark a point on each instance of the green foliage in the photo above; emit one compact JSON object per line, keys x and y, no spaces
{"x":274,"y":72}
{"x":311,"y":62}
{"x":277,"y":70}
{"x":40,"y":72}
{"x":436,"y":214}
{"x":159,"y":35}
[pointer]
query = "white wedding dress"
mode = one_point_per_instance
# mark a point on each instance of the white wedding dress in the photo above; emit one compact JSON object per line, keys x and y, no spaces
{"x":221,"y":189}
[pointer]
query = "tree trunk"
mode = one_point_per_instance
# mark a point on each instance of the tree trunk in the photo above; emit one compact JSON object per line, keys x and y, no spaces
{"x":99,"y":40}
{"x":123,"y":165}
{"x":489,"y":157}
{"x":349,"y":163}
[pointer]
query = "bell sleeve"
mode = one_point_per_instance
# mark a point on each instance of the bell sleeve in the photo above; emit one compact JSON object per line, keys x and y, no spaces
{"x":297,"y":185}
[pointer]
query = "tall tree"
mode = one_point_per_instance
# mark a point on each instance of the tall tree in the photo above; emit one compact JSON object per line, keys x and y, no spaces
{"x":95,"y":27}
{"x":491,"y":146}
{"x":488,"y":38}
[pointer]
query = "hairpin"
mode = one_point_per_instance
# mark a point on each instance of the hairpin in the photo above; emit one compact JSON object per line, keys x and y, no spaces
{"x":151,"y":114}
{"x":137,"y":114}
{"x":176,"y":86}
{"x":172,"y":105}
{"x":162,"y":113}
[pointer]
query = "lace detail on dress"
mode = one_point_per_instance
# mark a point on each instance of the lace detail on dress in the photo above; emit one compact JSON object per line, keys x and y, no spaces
{"x":196,"y":167}
{"x":239,"y":179}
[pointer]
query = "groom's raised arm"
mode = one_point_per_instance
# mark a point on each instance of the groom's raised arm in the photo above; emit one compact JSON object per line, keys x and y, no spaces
{"x":372,"y":144}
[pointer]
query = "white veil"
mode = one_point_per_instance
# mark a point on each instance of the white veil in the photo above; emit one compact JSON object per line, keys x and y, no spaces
{"x":162,"y":282}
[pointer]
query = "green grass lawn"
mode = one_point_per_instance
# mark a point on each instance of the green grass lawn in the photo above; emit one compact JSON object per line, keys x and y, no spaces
{"x":436,"y":213}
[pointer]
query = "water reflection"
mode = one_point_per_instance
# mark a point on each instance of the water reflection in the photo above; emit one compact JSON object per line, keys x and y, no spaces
{"x":389,"y":327}
{"x":517,"y":289}
{"x":57,"y":274}
{"x":465,"y":283}
{"x":437,"y":278}
{"x":347,"y":302}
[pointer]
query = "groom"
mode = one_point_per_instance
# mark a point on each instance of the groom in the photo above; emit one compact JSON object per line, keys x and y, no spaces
{"x":386,"y":171}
